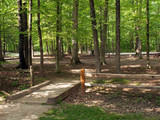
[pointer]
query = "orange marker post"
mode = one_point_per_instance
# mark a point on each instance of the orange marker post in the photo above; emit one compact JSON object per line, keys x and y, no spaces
{"x":82,"y":81}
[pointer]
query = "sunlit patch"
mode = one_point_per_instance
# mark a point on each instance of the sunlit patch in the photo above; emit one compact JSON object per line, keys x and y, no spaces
{"x":41,"y":94}
{"x":131,"y":66}
{"x":31,"y":117}
{"x":105,"y":70}
{"x":149,"y":110}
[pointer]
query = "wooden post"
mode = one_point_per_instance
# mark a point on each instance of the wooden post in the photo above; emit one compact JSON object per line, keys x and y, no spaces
{"x":82,"y":81}
{"x":32,"y":75}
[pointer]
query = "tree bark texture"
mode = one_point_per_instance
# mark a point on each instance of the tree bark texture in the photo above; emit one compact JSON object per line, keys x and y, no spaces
{"x":118,"y":36}
{"x":104,"y":32}
{"x":25,"y":29}
{"x":95,"y":37}
{"x":138,"y":28}
{"x":1,"y":56}
{"x":40,"y":39}
{"x":57,"y":36}
{"x":147,"y":33}
{"x":22,"y":64}
{"x":75,"y":60}
{"x":30,"y":35}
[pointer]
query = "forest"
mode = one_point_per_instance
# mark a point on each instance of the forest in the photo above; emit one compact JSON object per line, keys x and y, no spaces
{"x":48,"y":24}
{"x":53,"y":40}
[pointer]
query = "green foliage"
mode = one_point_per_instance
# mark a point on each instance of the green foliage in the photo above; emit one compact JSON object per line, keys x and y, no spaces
{"x":130,"y":15}
{"x":82,"y":112}
{"x":15,"y":83}
{"x":119,"y":81}
{"x":2,"y":94}
{"x":24,"y":86}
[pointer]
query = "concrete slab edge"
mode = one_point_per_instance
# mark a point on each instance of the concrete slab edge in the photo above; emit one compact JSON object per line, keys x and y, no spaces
{"x":63,"y":95}
{"x":27,"y":91}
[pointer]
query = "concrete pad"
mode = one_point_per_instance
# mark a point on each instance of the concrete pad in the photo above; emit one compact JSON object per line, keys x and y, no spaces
{"x":48,"y":93}
{"x":30,"y":107}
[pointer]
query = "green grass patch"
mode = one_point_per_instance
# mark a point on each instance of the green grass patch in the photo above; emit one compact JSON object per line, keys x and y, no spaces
{"x":114,"y":80}
{"x":82,"y":112}
{"x":2,"y":94}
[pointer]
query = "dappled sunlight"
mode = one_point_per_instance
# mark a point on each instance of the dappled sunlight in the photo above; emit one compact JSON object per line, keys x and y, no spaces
{"x":105,"y":70}
{"x":31,"y":117}
{"x":78,"y":70}
{"x":41,"y":94}
{"x":56,"y":86}
{"x":131,"y":66}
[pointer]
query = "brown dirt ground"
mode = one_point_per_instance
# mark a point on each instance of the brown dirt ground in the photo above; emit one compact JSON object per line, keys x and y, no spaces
{"x":115,"y":100}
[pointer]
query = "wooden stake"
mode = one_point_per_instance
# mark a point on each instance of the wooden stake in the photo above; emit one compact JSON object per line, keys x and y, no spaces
{"x":82,"y":81}
{"x":32,"y":75}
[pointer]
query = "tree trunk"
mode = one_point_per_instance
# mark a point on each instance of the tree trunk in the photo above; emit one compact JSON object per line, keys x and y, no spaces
{"x":100,"y":24}
{"x":47,"y":48}
{"x":40,"y":40}
{"x":158,"y":47}
{"x":113,"y":40}
{"x":22,"y":64}
{"x":52,"y":49}
{"x":75,"y":60}
{"x":104,"y":31}
{"x":25,"y":28}
{"x":118,"y":36}
{"x":4,"y":43}
{"x":1,"y":56}
{"x":57,"y":36}
{"x":147,"y":33}
{"x":138,"y":35}
{"x":30,"y":35}
{"x":95,"y":37}
{"x":60,"y":30}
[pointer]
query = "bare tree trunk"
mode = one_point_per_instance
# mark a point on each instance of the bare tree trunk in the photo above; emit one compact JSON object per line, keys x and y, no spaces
{"x":61,"y":38}
{"x":22,"y":64}
{"x":1,"y":56}
{"x":75,"y":60}
{"x":113,"y":40}
{"x":52,"y":49}
{"x":104,"y":32}
{"x":157,"y":47}
{"x":138,"y":35}
{"x":147,"y":33}
{"x":25,"y":28}
{"x":4,"y":43}
{"x":4,"y":39}
{"x":47,"y":48}
{"x":100,"y":24}
{"x":40,"y":40}
{"x":118,"y":36}
{"x":57,"y":36}
{"x":95,"y":37}
{"x":30,"y":35}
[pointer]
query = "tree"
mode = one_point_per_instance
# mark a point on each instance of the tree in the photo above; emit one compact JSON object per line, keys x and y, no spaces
{"x":75,"y":60}
{"x":147,"y":33}
{"x":104,"y":31}
{"x":95,"y":37}
{"x":1,"y":56}
{"x":25,"y":28}
{"x":138,"y":28}
{"x":30,"y":35}
{"x":57,"y":36}
{"x":40,"y":39}
{"x":118,"y":36}
{"x":22,"y":64}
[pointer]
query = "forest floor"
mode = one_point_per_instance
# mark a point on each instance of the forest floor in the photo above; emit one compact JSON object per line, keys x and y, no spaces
{"x":119,"y":101}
